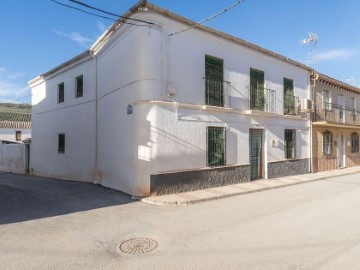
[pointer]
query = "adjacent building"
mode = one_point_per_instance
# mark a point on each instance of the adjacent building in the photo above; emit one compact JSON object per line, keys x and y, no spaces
{"x":15,"y":122}
{"x":151,"y":109}
{"x":336,"y":125}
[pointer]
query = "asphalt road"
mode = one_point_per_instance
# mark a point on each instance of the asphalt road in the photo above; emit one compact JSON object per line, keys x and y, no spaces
{"x":53,"y":224}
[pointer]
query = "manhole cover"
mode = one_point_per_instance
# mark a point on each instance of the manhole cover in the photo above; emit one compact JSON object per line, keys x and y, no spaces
{"x":138,"y":246}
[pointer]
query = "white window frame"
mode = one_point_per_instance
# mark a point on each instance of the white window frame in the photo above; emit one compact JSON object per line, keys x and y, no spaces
{"x":328,"y":146}
{"x":353,"y":106}
{"x":354,"y":142}
{"x":327,"y":104}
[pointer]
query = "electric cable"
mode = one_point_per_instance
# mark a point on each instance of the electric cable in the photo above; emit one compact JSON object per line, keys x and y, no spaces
{"x":108,"y":12}
{"x":207,"y":19}
{"x":94,"y":14}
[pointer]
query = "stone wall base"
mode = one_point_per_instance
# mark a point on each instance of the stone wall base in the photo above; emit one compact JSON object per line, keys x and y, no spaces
{"x":184,"y":181}
{"x":288,"y":168}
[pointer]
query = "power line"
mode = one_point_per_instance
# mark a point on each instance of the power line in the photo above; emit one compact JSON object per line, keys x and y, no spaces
{"x":81,"y":10}
{"x":108,"y":12}
{"x":20,"y":98}
{"x":90,"y":13}
{"x":208,"y":19}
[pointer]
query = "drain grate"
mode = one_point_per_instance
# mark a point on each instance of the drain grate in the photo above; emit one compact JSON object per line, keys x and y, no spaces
{"x":138,"y":246}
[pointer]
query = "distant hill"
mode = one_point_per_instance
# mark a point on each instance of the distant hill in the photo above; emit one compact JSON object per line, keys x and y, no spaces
{"x":15,"y":112}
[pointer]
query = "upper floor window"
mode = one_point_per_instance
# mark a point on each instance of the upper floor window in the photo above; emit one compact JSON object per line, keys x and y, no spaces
{"x":353,"y":106}
{"x":214,"y":81}
{"x":257,"y":91}
{"x":326,"y":99}
{"x":354,"y":143}
{"x":79,"y":84}
{"x":327,"y":143}
{"x":61,"y":92}
{"x":289,"y":98}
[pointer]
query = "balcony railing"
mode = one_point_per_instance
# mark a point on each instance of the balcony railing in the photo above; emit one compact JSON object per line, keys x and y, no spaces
{"x":262,"y":99}
{"x":214,"y":92}
{"x":330,"y":112}
{"x":291,"y":105}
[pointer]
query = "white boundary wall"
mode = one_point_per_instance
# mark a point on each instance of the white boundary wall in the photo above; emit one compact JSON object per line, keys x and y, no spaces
{"x":12,"y":158}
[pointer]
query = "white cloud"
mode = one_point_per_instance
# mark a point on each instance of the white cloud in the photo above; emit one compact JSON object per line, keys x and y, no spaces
{"x":339,"y":54}
{"x":75,"y":36}
{"x":102,"y":28}
{"x":11,"y":90}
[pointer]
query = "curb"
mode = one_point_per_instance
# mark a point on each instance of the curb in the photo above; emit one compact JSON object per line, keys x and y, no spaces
{"x":153,"y":201}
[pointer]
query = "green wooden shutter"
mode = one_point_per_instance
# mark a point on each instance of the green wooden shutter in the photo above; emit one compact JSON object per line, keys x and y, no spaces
{"x":214,"y":81}
{"x":289,"y":99}
{"x":257,"y":95}
{"x":216,"y":146}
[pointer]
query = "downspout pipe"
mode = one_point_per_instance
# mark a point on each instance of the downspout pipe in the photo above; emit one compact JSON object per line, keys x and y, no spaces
{"x":96,"y":173}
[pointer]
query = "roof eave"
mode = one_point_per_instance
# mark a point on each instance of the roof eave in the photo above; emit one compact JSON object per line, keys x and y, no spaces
{"x":339,"y":83}
{"x":73,"y":60}
{"x":98,"y":43}
{"x":227,"y":36}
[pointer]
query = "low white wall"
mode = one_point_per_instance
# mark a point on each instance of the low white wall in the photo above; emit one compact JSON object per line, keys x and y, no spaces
{"x":9,"y":134}
{"x":12,"y":158}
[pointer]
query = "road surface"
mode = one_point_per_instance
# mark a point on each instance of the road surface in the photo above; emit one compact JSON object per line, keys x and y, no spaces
{"x":54,"y":224}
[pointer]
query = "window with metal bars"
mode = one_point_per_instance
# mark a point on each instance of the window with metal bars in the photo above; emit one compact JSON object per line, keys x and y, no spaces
{"x":215,"y":146}
{"x":61,"y":92}
{"x":214,"y":81}
{"x":289,"y":98}
{"x":61,"y":144}
{"x":327,"y":143}
{"x":257,"y":90}
{"x":290,"y":143}
{"x":354,"y":143}
{"x":79,"y":82}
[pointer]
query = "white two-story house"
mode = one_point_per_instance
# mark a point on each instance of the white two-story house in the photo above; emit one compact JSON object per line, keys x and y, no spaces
{"x":148,"y":111}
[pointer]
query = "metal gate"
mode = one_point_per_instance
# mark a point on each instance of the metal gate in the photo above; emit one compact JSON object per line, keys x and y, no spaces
{"x":27,"y":158}
{"x":255,"y":153}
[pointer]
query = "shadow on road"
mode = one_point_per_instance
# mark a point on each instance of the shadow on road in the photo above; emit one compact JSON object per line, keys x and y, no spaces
{"x":24,"y":197}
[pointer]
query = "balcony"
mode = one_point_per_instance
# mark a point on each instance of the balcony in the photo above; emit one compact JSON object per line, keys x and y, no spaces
{"x":291,"y":105}
{"x":214,"y":92}
{"x":333,"y":113}
{"x":262,"y":99}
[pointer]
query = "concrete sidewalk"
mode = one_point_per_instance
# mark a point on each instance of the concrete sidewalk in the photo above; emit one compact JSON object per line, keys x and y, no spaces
{"x":243,"y":188}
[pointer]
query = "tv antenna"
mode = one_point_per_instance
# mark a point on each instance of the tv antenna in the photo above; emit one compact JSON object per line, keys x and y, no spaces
{"x":311,"y":41}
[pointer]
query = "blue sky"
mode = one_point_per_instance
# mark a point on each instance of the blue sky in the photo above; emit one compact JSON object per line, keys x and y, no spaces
{"x":38,"y":35}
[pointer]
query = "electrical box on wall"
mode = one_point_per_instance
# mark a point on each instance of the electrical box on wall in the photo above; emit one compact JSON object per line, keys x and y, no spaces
{"x":171,"y":91}
{"x":275,"y":143}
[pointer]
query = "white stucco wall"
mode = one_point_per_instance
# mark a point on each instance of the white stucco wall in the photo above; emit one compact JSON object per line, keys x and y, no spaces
{"x":75,"y":117}
{"x":138,"y":66}
{"x":12,"y":158}
{"x":171,"y":142}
